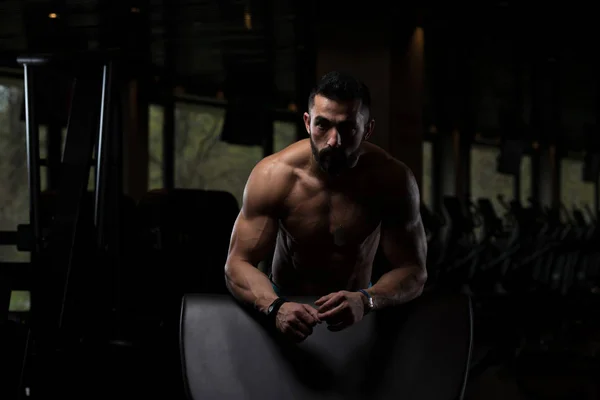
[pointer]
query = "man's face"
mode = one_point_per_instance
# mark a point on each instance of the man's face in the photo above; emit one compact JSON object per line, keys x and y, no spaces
{"x":336,"y":131}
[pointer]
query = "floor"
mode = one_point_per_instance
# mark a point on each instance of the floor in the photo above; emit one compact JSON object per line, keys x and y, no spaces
{"x":494,"y":385}
{"x":497,"y":383}
{"x":546,"y":369}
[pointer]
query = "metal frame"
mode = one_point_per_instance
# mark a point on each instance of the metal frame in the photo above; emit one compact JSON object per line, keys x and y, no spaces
{"x":102,"y":149}
{"x":57,"y":246}
{"x":33,"y":156}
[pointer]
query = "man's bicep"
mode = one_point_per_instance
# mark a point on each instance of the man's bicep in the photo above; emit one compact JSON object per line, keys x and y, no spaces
{"x":255,"y":230}
{"x":404,"y":245}
{"x":403,"y":237}
{"x":253,"y":237}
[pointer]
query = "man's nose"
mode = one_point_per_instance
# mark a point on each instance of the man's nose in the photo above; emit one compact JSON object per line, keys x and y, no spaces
{"x":334,"y":139}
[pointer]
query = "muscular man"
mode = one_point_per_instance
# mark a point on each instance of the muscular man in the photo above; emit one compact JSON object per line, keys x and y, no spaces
{"x":324,"y":204}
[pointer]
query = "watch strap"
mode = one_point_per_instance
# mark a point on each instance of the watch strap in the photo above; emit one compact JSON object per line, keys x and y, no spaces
{"x":274,"y":308}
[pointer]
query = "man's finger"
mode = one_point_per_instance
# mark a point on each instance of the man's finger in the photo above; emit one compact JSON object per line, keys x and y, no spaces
{"x":305,"y":316}
{"x":301,"y":327}
{"x":331,"y":313}
{"x":313,"y":313}
{"x":324,"y":299}
{"x":331,"y":303}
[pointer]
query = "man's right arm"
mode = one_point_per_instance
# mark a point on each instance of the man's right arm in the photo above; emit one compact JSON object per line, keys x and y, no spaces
{"x":254,"y":235}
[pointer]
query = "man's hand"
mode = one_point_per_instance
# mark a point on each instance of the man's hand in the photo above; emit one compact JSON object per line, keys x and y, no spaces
{"x":296,"y":321}
{"x":341,"y":309}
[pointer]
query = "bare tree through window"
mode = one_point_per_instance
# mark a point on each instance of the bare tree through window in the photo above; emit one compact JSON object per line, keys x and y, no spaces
{"x":202,"y":159}
{"x":14,"y":192}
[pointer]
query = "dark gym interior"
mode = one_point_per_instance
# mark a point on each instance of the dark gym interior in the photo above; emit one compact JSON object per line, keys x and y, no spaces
{"x":128,"y":130}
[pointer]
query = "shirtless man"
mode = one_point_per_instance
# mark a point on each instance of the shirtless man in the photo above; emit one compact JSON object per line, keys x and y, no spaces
{"x":325,"y":204}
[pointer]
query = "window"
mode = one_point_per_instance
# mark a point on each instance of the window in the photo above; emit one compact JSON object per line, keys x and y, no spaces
{"x":14,"y":196}
{"x":44,"y":141}
{"x":486,"y":182}
{"x":20,"y":301}
{"x":573,"y":190}
{"x":526,"y":180}
{"x":155,"y":147}
{"x":285,"y":134}
{"x":44,"y":177}
{"x":202,"y":160}
{"x":427,"y":179}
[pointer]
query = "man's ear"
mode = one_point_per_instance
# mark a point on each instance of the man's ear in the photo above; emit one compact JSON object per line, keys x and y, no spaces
{"x":369,"y":129}
{"x":306,"y":118}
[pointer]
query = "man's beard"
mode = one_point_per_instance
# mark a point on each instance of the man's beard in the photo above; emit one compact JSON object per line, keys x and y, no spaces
{"x":332,"y":161}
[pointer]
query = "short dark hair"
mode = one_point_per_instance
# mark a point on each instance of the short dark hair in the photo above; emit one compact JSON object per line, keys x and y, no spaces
{"x":341,"y":87}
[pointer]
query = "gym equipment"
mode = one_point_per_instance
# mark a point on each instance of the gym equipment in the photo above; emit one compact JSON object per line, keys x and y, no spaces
{"x":533,"y":275}
{"x":74,"y":236}
{"x":175,"y":231}
{"x":530,"y":249}
{"x":13,"y":345}
{"x":433,"y":224}
{"x":96,"y":256}
{"x":418,"y":351}
{"x":56,"y":248}
{"x":178,"y":252}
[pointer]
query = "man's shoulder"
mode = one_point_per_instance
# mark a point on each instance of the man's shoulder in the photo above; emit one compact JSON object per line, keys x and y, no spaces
{"x":395,"y":183}
{"x":273,"y":177}
{"x":271,"y":173}
{"x":380,"y":162}
{"x":392,"y":177}
{"x":283,"y":164}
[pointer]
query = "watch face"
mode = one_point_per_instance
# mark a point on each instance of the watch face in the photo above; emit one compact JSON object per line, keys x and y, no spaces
{"x":370,"y":304}
{"x":270,"y":309}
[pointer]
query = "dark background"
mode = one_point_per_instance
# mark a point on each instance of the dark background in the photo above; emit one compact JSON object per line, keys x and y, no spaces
{"x":479,"y":100}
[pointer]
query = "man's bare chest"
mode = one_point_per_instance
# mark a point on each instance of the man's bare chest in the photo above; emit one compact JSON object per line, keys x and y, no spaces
{"x":323,"y":219}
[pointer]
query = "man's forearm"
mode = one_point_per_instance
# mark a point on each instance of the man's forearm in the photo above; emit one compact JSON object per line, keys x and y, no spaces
{"x":249,"y":285}
{"x":398,"y":286}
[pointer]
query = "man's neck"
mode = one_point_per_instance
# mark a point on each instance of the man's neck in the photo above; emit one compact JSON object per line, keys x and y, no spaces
{"x":330,"y":181}
{"x":326,"y":179}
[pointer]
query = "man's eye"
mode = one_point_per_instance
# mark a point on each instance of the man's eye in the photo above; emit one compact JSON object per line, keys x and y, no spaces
{"x":348,"y":129}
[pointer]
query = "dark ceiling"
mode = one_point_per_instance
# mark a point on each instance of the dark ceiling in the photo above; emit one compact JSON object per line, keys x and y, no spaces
{"x":206,"y":38}
{"x":202,"y":43}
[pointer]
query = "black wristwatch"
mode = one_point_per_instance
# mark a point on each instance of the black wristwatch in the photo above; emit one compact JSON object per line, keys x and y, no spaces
{"x":274,"y":308}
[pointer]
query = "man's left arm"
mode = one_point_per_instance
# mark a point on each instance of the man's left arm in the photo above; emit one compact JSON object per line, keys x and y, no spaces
{"x":403,"y":241}
{"x":404,"y":244}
